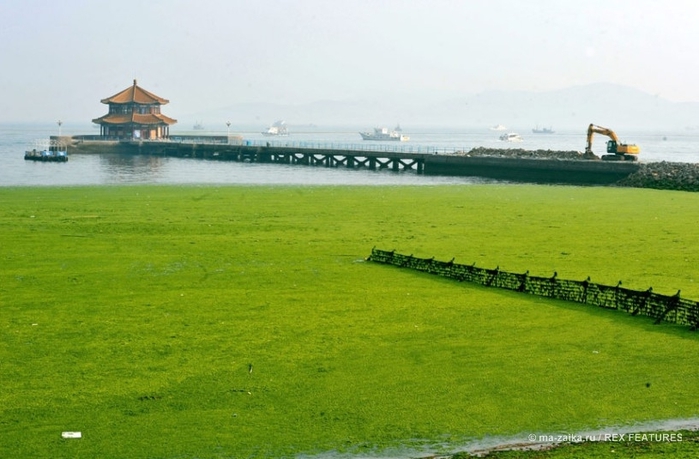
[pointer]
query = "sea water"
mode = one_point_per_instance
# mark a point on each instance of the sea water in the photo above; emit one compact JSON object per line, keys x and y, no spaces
{"x":106,"y":169}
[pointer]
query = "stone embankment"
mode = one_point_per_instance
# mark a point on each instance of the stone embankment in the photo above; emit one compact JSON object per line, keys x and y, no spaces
{"x":665,"y":176}
{"x":659,"y":175}
{"x":521,"y":153}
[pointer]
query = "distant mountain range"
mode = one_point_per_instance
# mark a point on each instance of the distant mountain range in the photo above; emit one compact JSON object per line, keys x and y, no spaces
{"x":603,"y":104}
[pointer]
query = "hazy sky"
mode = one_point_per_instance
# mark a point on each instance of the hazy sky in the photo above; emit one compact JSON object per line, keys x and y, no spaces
{"x":59,"y":58}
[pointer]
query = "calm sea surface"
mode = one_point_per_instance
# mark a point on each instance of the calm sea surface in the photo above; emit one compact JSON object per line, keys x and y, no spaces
{"x":87,"y":169}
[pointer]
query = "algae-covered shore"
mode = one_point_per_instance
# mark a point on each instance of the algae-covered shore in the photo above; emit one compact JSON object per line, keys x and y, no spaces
{"x":210,"y":321}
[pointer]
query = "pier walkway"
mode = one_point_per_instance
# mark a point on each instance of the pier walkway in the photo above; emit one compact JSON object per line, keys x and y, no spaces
{"x":372,"y":156}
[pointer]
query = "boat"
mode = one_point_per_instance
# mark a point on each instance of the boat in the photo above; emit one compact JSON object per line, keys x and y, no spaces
{"x":511,"y":137}
{"x":498,"y":127}
{"x":536,"y":130}
{"x":198,"y":126}
{"x":278,"y":128}
{"x":47,"y":151}
{"x":383,"y":134}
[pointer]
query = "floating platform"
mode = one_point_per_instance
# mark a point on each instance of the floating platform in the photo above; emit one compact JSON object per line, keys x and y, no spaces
{"x":50,"y":150}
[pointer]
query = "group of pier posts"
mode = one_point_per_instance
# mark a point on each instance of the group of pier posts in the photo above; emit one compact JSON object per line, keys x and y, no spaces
{"x":338,"y":159}
{"x":279,"y":155}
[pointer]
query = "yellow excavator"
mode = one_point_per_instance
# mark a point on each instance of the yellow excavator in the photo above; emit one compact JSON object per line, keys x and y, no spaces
{"x":617,"y":151}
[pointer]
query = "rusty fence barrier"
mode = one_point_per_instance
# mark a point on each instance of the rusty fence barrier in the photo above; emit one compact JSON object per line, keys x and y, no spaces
{"x":666,"y":308}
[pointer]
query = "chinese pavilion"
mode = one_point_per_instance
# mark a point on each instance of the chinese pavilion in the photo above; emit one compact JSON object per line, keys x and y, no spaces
{"x":134,"y":113}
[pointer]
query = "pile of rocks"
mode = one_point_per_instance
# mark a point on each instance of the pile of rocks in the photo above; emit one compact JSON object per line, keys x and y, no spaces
{"x":665,"y":176}
{"x":521,"y":153}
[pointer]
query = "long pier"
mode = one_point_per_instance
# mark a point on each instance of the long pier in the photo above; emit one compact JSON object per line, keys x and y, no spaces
{"x":378,"y":158}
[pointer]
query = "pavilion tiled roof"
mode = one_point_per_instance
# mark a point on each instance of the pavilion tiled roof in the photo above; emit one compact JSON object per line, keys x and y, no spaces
{"x":135,"y":118}
{"x":134,"y":94}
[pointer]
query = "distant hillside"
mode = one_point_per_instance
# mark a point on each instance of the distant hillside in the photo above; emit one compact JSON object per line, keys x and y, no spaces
{"x":604,"y":104}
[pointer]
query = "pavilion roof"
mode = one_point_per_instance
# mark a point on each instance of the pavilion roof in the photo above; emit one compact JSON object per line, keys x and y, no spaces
{"x":134,"y":118}
{"x":134,"y":94}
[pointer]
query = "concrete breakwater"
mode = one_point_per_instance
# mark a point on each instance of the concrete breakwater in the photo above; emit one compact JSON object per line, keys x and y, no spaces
{"x":659,"y":175}
{"x":532,"y":169}
{"x":496,"y":164}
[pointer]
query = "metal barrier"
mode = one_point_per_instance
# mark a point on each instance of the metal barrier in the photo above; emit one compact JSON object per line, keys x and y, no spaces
{"x":391,"y":147}
{"x":388,"y":147}
{"x":672,"y":309}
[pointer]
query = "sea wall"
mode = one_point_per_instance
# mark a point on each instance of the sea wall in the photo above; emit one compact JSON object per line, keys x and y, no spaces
{"x":659,"y":175}
{"x":532,"y":169}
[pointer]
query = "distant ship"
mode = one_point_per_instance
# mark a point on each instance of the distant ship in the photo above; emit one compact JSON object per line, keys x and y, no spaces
{"x":198,"y":126}
{"x":536,"y":130}
{"x":384,"y":134}
{"x":498,"y":127}
{"x":278,"y":128}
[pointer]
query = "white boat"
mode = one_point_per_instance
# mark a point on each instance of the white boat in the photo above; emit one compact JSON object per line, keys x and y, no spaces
{"x":277,"y":129}
{"x":384,"y":134}
{"x":498,"y":127}
{"x":511,"y":137}
{"x":48,"y":151}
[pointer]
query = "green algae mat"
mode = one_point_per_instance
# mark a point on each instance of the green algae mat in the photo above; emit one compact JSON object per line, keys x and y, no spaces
{"x":229,"y":322}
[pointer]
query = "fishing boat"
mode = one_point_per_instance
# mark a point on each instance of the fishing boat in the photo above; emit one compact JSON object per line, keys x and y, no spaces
{"x":511,"y":137}
{"x":47,"y":151}
{"x":278,"y":128}
{"x":383,"y":134}
{"x":536,"y":130}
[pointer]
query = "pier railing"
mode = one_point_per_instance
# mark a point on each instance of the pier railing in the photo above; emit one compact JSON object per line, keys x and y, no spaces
{"x":666,"y":308}
{"x":387,"y":147}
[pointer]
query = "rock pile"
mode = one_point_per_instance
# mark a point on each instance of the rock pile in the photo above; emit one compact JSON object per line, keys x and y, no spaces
{"x":665,"y":176}
{"x":521,"y":153}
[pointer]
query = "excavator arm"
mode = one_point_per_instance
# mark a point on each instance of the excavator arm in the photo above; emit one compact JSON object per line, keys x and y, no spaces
{"x":592,"y":130}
